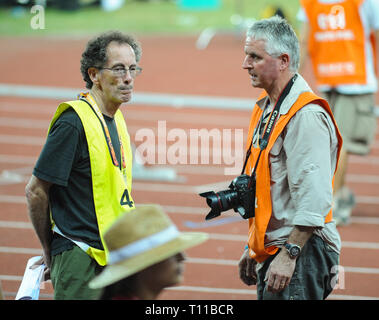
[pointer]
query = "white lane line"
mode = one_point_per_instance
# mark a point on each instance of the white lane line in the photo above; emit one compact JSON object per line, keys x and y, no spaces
{"x":254,"y":292}
{"x":224,"y":237}
{"x":12,"y":199}
{"x":216,"y":140}
{"x":46,"y":109}
{"x":367,"y":199}
{"x":33,"y":251}
{"x":213,"y":236}
{"x":226,"y":262}
{"x":213,"y":290}
{"x":22,"y":140}
{"x":16,"y":224}
{"x":206,"y":290}
{"x":362,"y":178}
{"x":146,"y":98}
{"x":174,"y":188}
{"x":7,"y":158}
{"x":223,"y":262}
{"x":365,"y":220}
{"x":198,"y":169}
{"x":372,"y":160}
{"x":181,"y":210}
{"x":361,"y":270}
{"x":184,"y":210}
{"x":24,"y":123}
{"x":360,"y":245}
{"x":141,"y":114}
{"x":345,"y":244}
{"x":350,"y":297}
{"x":7,"y":277}
{"x":138,"y":114}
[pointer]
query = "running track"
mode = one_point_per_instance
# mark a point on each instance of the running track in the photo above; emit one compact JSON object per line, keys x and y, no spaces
{"x":173,"y":66}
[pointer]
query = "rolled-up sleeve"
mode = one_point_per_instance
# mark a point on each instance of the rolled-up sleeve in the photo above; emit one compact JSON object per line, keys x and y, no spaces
{"x":309,"y":144}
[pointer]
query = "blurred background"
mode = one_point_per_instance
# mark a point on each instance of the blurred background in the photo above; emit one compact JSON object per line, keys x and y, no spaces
{"x":83,"y":17}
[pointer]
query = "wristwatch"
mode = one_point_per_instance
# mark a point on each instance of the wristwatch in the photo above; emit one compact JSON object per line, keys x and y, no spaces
{"x":293,"y":250}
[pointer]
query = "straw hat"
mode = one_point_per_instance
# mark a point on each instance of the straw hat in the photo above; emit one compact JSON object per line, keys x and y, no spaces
{"x":139,"y":239}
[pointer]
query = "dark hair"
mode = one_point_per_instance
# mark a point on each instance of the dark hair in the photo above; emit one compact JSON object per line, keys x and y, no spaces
{"x":123,"y":288}
{"x":95,"y":54}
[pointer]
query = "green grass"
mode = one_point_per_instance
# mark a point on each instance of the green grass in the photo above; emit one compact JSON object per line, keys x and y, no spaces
{"x":142,"y":17}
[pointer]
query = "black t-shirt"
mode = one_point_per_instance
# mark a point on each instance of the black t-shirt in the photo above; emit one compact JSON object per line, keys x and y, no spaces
{"x":64,"y":161}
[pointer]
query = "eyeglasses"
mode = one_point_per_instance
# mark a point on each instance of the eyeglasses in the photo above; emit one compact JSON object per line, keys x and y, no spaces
{"x":121,"y":71}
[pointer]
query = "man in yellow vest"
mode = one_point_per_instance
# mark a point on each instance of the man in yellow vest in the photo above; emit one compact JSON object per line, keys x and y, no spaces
{"x":82,"y":180}
{"x":339,"y":37}
{"x":293,"y":245}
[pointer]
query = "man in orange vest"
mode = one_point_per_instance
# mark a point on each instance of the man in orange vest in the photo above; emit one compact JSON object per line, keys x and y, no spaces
{"x":340,"y":39}
{"x":293,"y":244}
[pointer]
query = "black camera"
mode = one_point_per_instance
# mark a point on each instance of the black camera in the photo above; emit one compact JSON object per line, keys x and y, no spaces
{"x":240,"y":197}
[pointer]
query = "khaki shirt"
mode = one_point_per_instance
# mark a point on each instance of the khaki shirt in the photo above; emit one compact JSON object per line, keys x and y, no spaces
{"x":302,"y":163}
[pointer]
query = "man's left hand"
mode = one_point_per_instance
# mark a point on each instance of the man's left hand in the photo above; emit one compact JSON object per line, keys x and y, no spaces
{"x":280,"y":272}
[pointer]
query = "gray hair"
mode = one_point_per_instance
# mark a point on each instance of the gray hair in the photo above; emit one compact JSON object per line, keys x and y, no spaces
{"x":279,"y":37}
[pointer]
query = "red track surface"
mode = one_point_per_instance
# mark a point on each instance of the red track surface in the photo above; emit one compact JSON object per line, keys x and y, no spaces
{"x":171,"y":65}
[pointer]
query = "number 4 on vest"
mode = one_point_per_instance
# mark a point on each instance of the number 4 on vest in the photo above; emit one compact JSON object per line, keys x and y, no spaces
{"x":125,"y":199}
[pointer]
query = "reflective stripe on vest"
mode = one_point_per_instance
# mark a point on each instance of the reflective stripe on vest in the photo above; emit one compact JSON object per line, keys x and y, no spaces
{"x":111,"y":188}
{"x":82,"y":245}
{"x":258,"y":224}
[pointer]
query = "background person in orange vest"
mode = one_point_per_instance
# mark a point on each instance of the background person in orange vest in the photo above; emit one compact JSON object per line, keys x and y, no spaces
{"x":338,"y":35}
{"x":293,"y":241}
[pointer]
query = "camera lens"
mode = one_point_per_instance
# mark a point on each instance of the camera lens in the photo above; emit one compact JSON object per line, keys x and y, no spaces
{"x":228,"y":198}
{"x":219,"y":202}
{"x":240,"y":197}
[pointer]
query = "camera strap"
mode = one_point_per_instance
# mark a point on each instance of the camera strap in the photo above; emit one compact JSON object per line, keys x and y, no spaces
{"x":263,"y":141}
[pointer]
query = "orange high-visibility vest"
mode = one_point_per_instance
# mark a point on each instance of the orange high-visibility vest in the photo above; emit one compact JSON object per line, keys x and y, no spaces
{"x":336,"y":42}
{"x":263,"y":209}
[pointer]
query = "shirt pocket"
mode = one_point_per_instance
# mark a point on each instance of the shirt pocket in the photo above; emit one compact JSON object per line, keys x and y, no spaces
{"x":364,"y":130}
{"x":277,"y":159}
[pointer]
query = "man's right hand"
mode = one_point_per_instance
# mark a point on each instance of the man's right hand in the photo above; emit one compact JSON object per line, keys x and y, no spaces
{"x":47,"y":263}
{"x":246,"y":268}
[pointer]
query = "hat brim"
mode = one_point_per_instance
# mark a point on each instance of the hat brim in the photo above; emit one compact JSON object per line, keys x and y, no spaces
{"x":115,"y":272}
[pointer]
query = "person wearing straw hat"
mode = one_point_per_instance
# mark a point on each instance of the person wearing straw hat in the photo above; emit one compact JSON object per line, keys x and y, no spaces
{"x":145,"y":255}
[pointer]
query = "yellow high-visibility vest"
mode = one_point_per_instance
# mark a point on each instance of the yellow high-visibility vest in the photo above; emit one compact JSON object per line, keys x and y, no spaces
{"x":111,"y":186}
